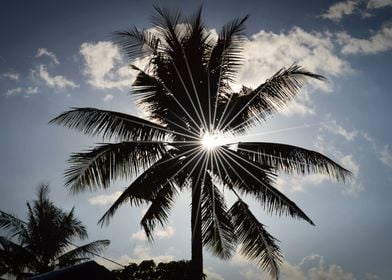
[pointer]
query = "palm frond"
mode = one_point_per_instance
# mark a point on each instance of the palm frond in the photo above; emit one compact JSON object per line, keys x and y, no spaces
{"x":256,"y":243}
{"x":106,"y":162}
{"x":14,"y":257}
{"x":217,"y":229}
{"x":137,"y":43}
{"x":12,"y":224}
{"x":251,"y":106}
{"x":165,"y":22}
{"x":254,"y":179}
{"x":110,"y":125}
{"x":145,"y":186}
{"x":226,"y":55}
{"x":291,"y":159}
{"x":82,"y":253}
{"x":71,"y":227}
{"x":154,"y":97}
{"x":158,"y":211}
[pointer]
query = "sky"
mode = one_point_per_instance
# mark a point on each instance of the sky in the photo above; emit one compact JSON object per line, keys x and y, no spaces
{"x":59,"y":54}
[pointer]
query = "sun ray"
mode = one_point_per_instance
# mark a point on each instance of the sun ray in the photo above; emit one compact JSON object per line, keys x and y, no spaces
{"x":194,"y":88}
{"x":179,"y":103}
{"x":188,"y":94}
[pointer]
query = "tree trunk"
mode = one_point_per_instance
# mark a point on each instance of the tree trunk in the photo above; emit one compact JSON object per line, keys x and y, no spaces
{"x":197,"y":245}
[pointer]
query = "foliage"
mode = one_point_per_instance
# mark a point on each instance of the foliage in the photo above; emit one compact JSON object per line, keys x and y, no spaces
{"x":148,"y":270}
{"x":186,"y":90}
{"x":44,"y":242}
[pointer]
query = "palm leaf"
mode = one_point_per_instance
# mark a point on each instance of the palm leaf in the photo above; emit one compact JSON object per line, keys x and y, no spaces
{"x":291,"y":159}
{"x":82,"y":253}
{"x":225,"y":58}
{"x":14,"y":257}
{"x":145,"y":186}
{"x":12,"y":224}
{"x":137,"y":43}
{"x":217,"y":229}
{"x":256,"y":243}
{"x":254,"y":179}
{"x":107,"y":162}
{"x":158,"y":211}
{"x":111,"y":125}
{"x":251,"y":106}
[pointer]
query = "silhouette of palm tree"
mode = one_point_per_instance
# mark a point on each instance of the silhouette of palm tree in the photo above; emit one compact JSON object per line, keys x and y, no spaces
{"x":43,"y":242}
{"x":185,"y":89}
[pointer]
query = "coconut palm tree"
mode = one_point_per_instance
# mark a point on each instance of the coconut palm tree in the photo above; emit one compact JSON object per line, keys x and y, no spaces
{"x":193,"y":114}
{"x":44,"y":242}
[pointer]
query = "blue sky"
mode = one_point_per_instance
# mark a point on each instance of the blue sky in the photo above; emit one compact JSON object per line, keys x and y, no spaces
{"x":58,"y":54}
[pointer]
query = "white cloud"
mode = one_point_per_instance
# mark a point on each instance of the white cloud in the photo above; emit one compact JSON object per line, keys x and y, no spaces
{"x":139,"y":254}
{"x":45,"y":52}
{"x":344,"y":8}
{"x":139,"y":235}
{"x":371,"y":276}
{"x":312,"y":50}
{"x":105,"y":67}
{"x":351,"y":187}
{"x":386,"y":156}
{"x":299,"y":183}
{"x":340,"y":9}
{"x":312,"y":267}
{"x":376,"y":4}
{"x":58,"y":82}
{"x":11,"y":75}
{"x":104,"y":199}
{"x":211,"y":275}
{"x":381,"y":41}
{"x":164,"y":233}
{"x":383,"y":152}
{"x":108,"y":97}
{"x":301,"y":105}
{"x":19,"y":90}
{"x":332,"y":126}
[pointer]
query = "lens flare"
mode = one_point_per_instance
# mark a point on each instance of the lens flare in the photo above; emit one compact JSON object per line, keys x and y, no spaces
{"x":211,"y":141}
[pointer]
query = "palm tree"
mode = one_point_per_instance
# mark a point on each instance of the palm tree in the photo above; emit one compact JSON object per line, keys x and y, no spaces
{"x":43,"y":242}
{"x":185,"y":89}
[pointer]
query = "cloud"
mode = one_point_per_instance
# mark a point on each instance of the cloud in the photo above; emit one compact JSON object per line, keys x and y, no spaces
{"x":28,"y":91}
{"x":58,"y":82}
{"x":340,"y":9}
{"x":108,"y":97}
{"x":376,"y":4}
{"x":313,"y":50}
{"x":344,"y":8}
{"x":312,"y":267}
{"x":45,"y":52}
{"x":335,"y":128}
{"x":386,"y":156}
{"x":11,"y":76}
{"x":299,"y":183}
{"x":383,"y":153}
{"x":105,"y":67}
{"x":104,"y":199}
{"x":164,"y":233}
{"x":139,"y":254}
{"x":211,"y":275}
{"x":381,"y":41}
{"x":352,"y":187}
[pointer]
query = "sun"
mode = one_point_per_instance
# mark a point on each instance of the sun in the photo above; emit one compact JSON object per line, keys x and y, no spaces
{"x":211,"y":141}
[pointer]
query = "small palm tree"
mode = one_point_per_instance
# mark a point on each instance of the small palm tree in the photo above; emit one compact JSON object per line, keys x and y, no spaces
{"x":185,"y":88}
{"x":43,"y":242}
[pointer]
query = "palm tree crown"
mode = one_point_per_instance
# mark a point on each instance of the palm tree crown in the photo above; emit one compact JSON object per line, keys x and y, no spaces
{"x":185,"y":89}
{"x":43,"y":242}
